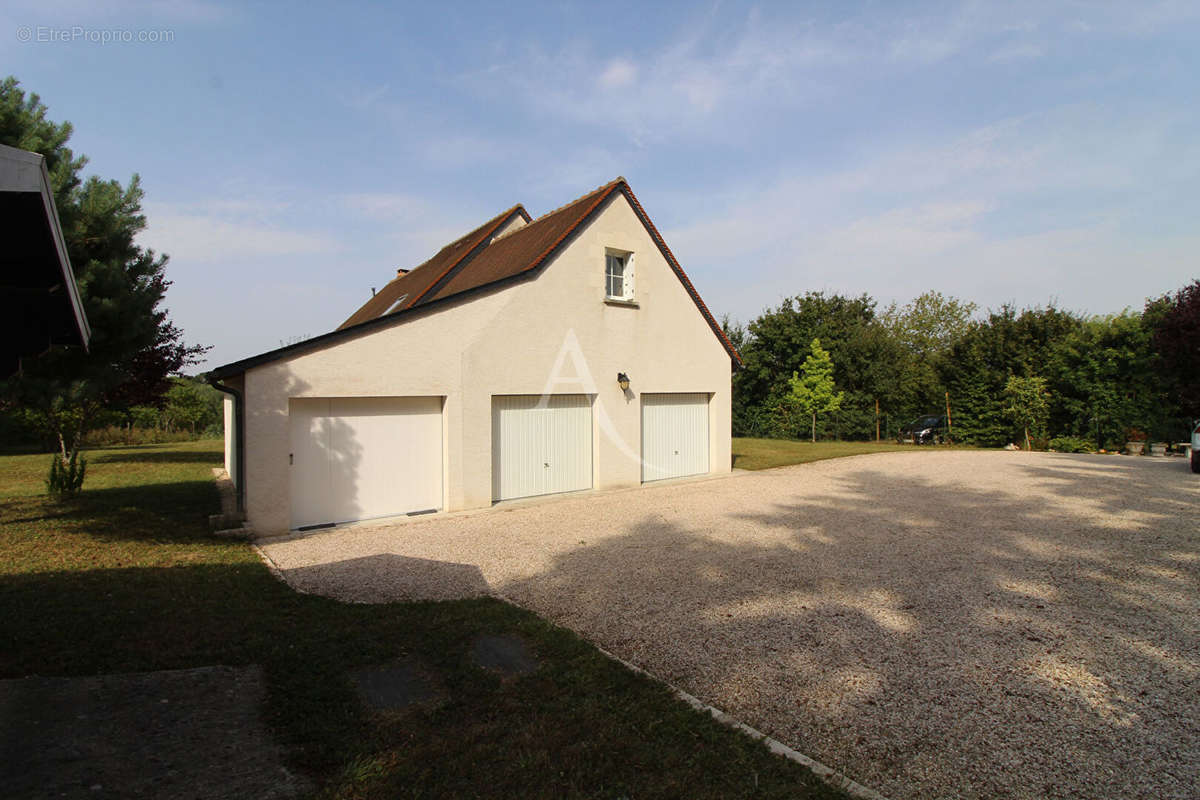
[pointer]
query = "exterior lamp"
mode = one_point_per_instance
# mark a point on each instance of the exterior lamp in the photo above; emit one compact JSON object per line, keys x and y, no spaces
{"x":623,"y":381}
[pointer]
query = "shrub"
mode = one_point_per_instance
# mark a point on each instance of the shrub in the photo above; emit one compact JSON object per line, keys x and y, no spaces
{"x":66,"y":475}
{"x":1071,"y":444}
{"x":116,"y":435}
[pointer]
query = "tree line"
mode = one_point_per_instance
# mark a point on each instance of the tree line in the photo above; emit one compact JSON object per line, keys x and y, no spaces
{"x":1003,"y":376}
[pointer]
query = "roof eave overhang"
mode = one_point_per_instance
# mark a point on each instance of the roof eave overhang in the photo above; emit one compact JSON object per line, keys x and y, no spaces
{"x":23,"y":171}
{"x":370,"y":326}
{"x":734,"y":356}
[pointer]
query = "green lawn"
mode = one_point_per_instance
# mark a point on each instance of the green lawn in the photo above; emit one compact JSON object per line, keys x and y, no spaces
{"x":125,"y":579}
{"x":767,"y":453}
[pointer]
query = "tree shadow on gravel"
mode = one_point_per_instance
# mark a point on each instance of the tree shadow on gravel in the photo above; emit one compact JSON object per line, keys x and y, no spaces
{"x":386,"y":577}
{"x":927,"y":640}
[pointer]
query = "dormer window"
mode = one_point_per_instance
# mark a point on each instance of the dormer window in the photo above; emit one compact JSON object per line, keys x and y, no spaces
{"x":618,"y":275}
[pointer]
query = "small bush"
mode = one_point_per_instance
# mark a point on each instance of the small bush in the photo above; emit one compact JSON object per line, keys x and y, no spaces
{"x":1135,"y":435}
{"x":66,"y":476}
{"x":1071,"y":444}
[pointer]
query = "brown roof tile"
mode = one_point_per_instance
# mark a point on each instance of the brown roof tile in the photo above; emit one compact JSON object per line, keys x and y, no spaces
{"x":527,"y":248}
{"x":414,"y":285}
{"x":476,"y":261}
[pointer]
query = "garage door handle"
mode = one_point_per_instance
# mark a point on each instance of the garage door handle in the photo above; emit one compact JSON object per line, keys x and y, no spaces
{"x":291,"y":459}
{"x":546,"y":465}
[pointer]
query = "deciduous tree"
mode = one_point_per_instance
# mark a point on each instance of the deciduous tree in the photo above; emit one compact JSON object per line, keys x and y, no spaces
{"x":812,"y":387}
{"x":1027,"y":404}
{"x":1176,"y":323}
{"x":1102,"y":381}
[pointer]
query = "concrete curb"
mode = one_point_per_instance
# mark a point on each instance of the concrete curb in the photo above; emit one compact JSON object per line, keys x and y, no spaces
{"x":827,"y":774}
{"x":273,"y":568}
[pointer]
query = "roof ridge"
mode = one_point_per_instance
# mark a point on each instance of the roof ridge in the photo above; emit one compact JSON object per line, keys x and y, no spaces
{"x":383,"y":302}
{"x":586,"y":195}
{"x":498,"y":264}
{"x":501,"y":215}
{"x":489,"y":229}
{"x":531,"y":228}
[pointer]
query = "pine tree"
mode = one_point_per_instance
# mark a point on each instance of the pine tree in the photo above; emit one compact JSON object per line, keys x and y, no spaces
{"x":134,"y":346}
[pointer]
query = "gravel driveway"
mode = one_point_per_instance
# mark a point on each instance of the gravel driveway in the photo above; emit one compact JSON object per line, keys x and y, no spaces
{"x":932,"y":624}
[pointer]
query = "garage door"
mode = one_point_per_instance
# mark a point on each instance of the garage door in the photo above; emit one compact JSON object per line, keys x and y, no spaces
{"x":363,"y":457}
{"x":540,"y":444}
{"x":674,"y":435}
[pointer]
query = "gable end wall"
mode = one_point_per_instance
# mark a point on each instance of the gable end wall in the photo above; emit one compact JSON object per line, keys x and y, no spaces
{"x":511,"y":340}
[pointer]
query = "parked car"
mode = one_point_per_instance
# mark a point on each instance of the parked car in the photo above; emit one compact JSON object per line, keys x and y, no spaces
{"x":928,"y":429}
{"x":1196,"y":449}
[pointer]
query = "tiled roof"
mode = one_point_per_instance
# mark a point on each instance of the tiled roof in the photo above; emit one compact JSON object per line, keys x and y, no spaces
{"x":527,"y":248}
{"x":413,"y":286}
{"x":477,"y":260}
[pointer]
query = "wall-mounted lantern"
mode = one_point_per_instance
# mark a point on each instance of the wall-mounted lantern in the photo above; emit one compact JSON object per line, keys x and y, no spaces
{"x":623,"y":381}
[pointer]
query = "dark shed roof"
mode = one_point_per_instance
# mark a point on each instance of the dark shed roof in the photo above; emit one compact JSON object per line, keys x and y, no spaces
{"x":41,"y":306}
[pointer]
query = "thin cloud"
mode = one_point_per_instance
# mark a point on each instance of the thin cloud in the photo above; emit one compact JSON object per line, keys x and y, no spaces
{"x":1018,"y":51}
{"x":984,"y":215}
{"x":619,"y":72}
{"x":386,"y":206}
{"x":215,"y":238}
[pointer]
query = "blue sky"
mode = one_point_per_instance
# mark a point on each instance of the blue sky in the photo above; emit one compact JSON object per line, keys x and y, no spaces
{"x":293,"y":158}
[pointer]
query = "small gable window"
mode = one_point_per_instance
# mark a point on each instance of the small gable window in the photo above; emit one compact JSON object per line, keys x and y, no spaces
{"x":618,"y":275}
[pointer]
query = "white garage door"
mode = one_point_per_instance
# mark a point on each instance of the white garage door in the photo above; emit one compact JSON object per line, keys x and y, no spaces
{"x":540,"y":444}
{"x":363,"y":457}
{"x":674,"y":435}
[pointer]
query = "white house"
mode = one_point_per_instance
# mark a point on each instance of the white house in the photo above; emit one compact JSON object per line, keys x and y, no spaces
{"x":528,"y":357}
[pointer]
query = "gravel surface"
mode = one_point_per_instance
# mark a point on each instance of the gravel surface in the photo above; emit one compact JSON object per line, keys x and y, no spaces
{"x":932,"y":624}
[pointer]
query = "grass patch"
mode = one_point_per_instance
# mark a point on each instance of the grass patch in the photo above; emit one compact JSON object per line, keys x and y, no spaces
{"x":767,"y":453}
{"x":124,"y":578}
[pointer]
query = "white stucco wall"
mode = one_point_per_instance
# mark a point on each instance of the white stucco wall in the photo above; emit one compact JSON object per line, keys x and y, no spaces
{"x":554,"y":333}
{"x":230,"y":434}
{"x":231,"y":430}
